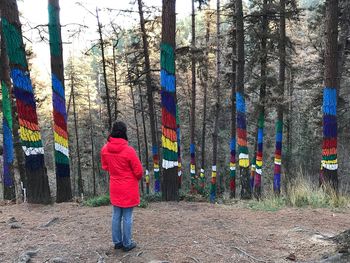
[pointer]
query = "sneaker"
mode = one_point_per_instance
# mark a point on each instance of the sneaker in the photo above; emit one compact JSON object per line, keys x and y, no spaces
{"x":128,"y":248}
{"x":118,"y":246}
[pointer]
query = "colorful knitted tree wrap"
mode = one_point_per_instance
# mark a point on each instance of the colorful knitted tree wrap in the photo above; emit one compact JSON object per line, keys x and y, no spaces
{"x":156,"y":169}
{"x":179,"y":171}
{"x":242,"y":131}
{"x":329,"y":147}
{"x":147,"y":181}
{"x":233,"y":165}
{"x":259,"y":153}
{"x":7,"y":139}
{"x":213,"y":184}
{"x":278,"y":157}
{"x":193,"y":166}
{"x":168,"y":94}
{"x":202,"y":179}
{"x":26,"y":108}
{"x":58,"y":100}
{"x":252,"y":173}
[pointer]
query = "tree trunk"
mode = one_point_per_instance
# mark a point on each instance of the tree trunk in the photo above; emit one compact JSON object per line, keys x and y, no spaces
{"x":115,"y":83}
{"x":170,"y":191}
{"x":261,"y":107}
{"x":281,"y":81}
{"x":104,"y":70}
{"x":193,"y":103}
{"x":150,"y":101}
{"x":92,"y":143}
{"x":217,"y":107}
{"x":37,"y":184}
{"x":146,"y":142}
{"x":240,"y":106}
{"x":329,"y":149}
{"x":64,"y":191}
{"x":205,"y":86}
{"x":80,"y":179}
{"x":7,"y":151}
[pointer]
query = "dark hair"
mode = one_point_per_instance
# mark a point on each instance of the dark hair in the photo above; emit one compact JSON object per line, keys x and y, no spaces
{"x":119,"y":130}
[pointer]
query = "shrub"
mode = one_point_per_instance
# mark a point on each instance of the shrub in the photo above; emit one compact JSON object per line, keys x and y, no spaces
{"x":98,"y":201}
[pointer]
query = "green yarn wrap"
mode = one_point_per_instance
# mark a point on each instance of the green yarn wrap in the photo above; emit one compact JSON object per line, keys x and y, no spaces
{"x":54,"y":32}
{"x":14,"y":43}
{"x":167,"y":58}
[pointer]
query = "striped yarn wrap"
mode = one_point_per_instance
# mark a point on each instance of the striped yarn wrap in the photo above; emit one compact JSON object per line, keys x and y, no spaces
{"x":213,"y":184}
{"x":26,"y":107}
{"x":156,"y":168}
{"x":329,"y":146}
{"x":252,"y":173}
{"x":243,"y":158}
{"x":58,"y":99}
{"x":193,"y":166}
{"x":168,"y":97}
{"x":7,"y":139}
{"x":259,"y":153}
{"x":147,"y":181}
{"x":233,"y":165}
{"x":179,"y":171}
{"x":278,"y":157}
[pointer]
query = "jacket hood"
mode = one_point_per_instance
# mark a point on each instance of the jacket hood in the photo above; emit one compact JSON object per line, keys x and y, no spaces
{"x":116,"y":145}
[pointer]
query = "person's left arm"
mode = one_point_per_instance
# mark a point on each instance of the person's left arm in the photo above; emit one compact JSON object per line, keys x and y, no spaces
{"x":135,"y":164}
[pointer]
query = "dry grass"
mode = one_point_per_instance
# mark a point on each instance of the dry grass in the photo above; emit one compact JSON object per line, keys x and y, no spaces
{"x":303,"y":193}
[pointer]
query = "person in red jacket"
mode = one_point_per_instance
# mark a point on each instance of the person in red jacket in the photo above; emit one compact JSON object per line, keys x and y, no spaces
{"x":125,"y":170}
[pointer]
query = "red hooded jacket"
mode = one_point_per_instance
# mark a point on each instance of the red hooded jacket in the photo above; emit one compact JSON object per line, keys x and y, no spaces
{"x":125,"y":170}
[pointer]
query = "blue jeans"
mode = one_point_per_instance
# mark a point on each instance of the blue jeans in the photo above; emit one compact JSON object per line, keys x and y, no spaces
{"x":122,"y":235}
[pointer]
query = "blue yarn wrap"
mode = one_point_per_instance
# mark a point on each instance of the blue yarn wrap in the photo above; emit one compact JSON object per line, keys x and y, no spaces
{"x":330,"y":101}
{"x":167,"y":81}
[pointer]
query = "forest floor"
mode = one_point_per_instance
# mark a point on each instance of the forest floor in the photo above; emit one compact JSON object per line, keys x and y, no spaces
{"x":169,"y":232}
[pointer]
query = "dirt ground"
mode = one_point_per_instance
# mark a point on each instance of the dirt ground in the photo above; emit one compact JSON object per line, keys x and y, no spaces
{"x":168,"y":232}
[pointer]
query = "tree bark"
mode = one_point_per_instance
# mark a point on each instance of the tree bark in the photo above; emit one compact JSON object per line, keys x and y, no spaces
{"x":193,"y":102}
{"x":240,"y":106}
{"x":233,"y":110}
{"x":150,"y":100}
{"x":261,"y":107}
{"x":115,"y":84}
{"x":330,"y":135}
{"x":281,"y":82}
{"x":80,"y":179}
{"x":37,"y":183}
{"x":104,"y":70}
{"x":146,"y":141}
{"x":170,"y":191}
{"x":64,"y":191}
{"x":217,"y":107}
{"x":8,"y":177}
{"x":205,"y":86}
{"x":92,"y":143}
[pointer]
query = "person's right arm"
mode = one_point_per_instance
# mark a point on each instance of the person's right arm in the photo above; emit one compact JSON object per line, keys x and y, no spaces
{"x":135,"y":164}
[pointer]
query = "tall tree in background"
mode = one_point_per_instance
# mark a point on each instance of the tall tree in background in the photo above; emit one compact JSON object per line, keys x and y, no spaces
{"x":217,"y":106}
{"x":329,"y":149}
{"x":193,"y":101}
{"x":170,"y":190}
{"x":37,"y":184}
{"x":145,"y":139}
{"x":150,"y":100}
{"x":64,"y":191}
{"x":104,"y":67}
{"x":75,"y":115}
{"x":233,"y":110}
{"x":261,"y":107}
{"x":279,"y":99}
{"x":8,"y":158}
{"x":240,"y":106}
{"x":205,"y":86}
